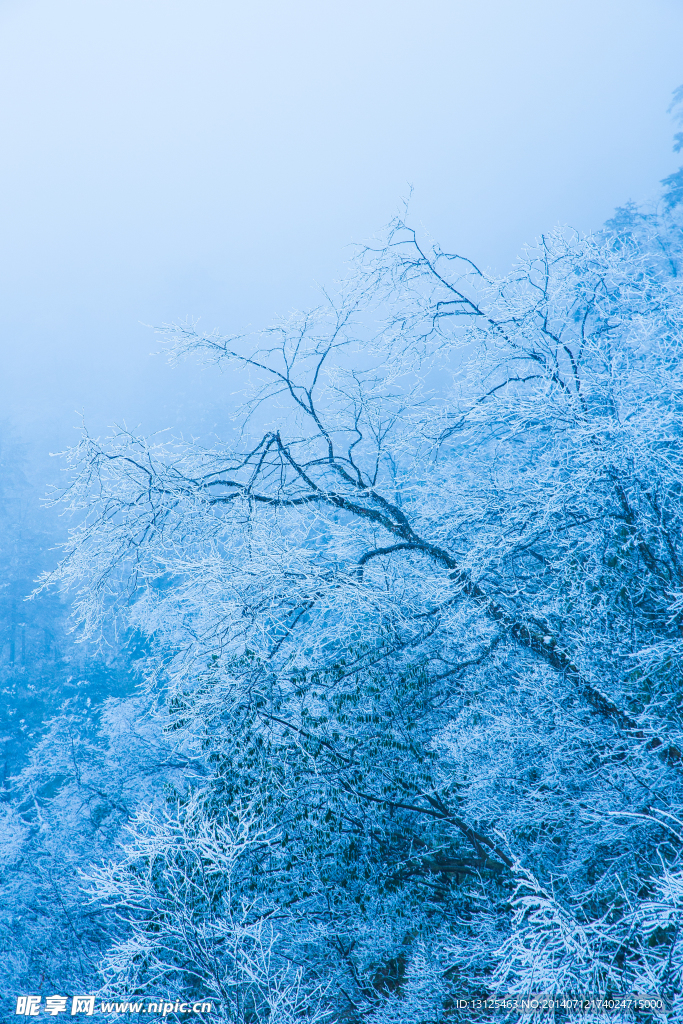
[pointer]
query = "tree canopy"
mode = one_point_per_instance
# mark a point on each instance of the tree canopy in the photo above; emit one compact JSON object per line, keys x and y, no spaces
{"x":415,"y":636}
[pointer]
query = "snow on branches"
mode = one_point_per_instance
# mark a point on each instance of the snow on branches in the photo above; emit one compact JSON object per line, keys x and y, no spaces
{"x":429,"y":590}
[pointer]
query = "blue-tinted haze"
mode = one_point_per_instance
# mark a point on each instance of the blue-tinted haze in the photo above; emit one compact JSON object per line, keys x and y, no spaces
{"x":212,"y":159}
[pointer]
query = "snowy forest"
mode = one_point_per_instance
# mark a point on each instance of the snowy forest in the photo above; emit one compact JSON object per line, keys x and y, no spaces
{"x":371,"y":711}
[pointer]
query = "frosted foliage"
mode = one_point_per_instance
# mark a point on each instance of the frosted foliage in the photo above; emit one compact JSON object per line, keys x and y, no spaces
{"x":12,"y":835}
{"x":84,"y":779}
{"x":549,"y":950}
{"x":421,"y":999}
{"x":187,"y":877}
{"x":420,"y":613}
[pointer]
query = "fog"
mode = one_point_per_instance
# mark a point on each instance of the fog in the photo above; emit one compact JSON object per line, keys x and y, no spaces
{"x":385,"y":720}
{"x":215,"y":161}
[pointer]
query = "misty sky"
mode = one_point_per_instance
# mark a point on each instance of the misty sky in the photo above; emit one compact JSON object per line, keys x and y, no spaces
{"x":165,"y":158}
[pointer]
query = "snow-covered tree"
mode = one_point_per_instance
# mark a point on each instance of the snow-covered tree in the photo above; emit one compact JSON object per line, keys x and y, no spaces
{"x":421,"y":615}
